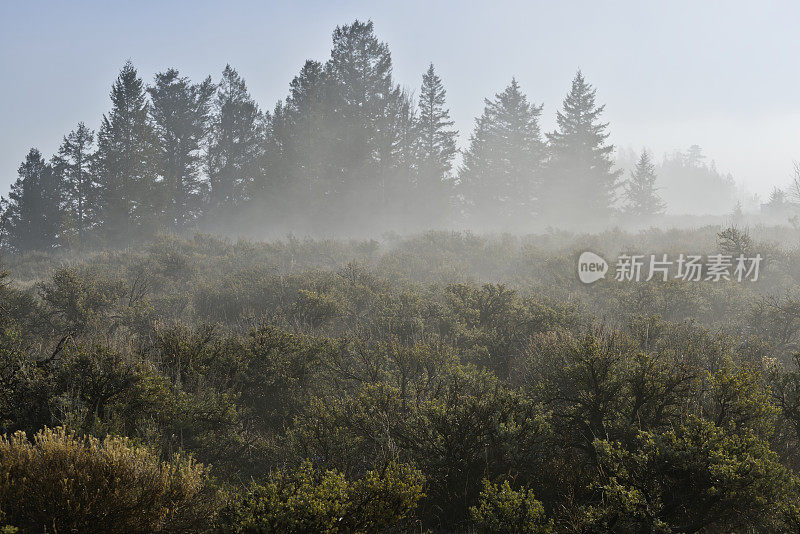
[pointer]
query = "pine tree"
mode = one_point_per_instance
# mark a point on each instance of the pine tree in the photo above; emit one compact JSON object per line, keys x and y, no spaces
{"x":73,"y":164}
{"x":181,"y":113}
{"x":236,"y":145}
{"x":501,"y":171}
{"x":694,"y":156}
{"x":278,"y":163}
{"x":289,"y":191}
{"x":32,"y":213}
{"x":436,"y":141}
{"x":362,"y":113}
{"x":125,"y":162}
{"x":581,"y":183}
{"x":405,"y":203}
{"x":641,"y":195}
{"x":297,"y":146}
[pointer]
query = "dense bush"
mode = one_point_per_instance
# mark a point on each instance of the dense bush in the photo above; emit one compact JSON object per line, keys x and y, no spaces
{"x":57,"y":482}
{"x":311,"y":500}
{"x":501,"y":509}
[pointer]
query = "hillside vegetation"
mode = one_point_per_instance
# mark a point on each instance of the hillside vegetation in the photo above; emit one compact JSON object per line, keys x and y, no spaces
{"x":444,"y":382}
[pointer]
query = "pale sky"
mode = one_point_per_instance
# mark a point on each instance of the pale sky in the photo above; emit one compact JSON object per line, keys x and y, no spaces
{"x":723,"y":75}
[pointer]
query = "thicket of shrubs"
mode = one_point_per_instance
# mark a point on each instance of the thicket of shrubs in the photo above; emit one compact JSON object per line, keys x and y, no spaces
{"x":57,"y":482}
{"x":201,"y":385}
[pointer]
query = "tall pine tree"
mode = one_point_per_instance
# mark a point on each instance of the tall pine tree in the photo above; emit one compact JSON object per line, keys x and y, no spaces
{"x":436,"y":148}
{"x":363,"y":113}
{"x":236,"y":144}
{"x":181,"y":114}
{"x":294,"y":156}
{"x":79,"y":191}
{"x":125,"y":162}
{"x":32,"y":214}
{"x":641,"y":193}
{"x":501,"y":171}
{"x":304,"y":116}
{"x":581,"y":184}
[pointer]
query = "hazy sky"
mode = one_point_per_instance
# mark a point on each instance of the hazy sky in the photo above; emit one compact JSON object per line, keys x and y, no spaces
{"x":723,"y":75}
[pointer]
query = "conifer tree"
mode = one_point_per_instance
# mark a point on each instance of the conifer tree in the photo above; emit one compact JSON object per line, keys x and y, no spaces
{"x":236,"y":143}
{"x":304,"y":118}
{"x":436,"y":142}
{"x":304,"y":112}
{"x":641,"y":194}
{"x":362,"y":113}
{"x":125,"y":162}
{"x":501,"y":171}
{"x":581,"y":183}
{"x":79,"y":190}
{"x":32,"y":213}
{"x":694,"y":185}
{"x":296,"y":144}
{"x":181,"y":114}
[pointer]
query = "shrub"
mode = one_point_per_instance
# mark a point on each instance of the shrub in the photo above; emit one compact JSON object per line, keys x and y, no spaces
{"x":697,"y":477}
{"x":312,"y":500}
{"x":62,"y":483}
{"x":501,"y":509}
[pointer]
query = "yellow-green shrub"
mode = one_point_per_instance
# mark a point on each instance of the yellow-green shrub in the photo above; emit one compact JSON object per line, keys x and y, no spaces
{"x":503,"y":509}
{"x":313,"y":500}
{"x":59,"y":482}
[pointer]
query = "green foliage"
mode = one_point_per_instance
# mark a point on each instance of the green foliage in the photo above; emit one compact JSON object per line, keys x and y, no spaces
{"x":369,"y":360}
{"x":501,"y":509}
{"x":581,"y":182}
{"x":125,"y":162}
{"x":312,"y":500}
{"x":696,"y":477}
{"x":32,"y":212}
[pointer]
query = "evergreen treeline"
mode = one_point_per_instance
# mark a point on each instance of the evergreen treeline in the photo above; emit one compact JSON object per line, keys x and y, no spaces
{"x":348,"y":149}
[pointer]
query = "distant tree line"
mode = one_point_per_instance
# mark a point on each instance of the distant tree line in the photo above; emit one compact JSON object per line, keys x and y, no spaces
{"x":688,"y":183}
{"x":348,"y":149}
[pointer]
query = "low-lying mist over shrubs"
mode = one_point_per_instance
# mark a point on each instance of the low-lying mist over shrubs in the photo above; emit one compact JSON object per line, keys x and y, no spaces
{"x":437,"y":382}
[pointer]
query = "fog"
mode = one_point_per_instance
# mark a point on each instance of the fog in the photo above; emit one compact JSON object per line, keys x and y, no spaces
{"x":683,"y":75}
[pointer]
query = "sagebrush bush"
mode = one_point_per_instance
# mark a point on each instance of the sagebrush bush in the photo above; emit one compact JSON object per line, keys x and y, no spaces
{"x":59,"y":482}
{"x":502,"y":509}
{"x":325,"y":501}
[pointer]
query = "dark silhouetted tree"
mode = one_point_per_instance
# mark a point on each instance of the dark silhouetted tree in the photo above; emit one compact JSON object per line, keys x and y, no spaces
{"x":293,"y":154}
{"x":125,"y":162}
{"x":436,"y":141}
{"x":236,"y":145}
{"x":501,"y":171}
{"x":181,"y":113}
{"x":360,"y":127}
{"x":304,"y":114}
{"x":79,"y":190}
{"x":32,"y":213}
